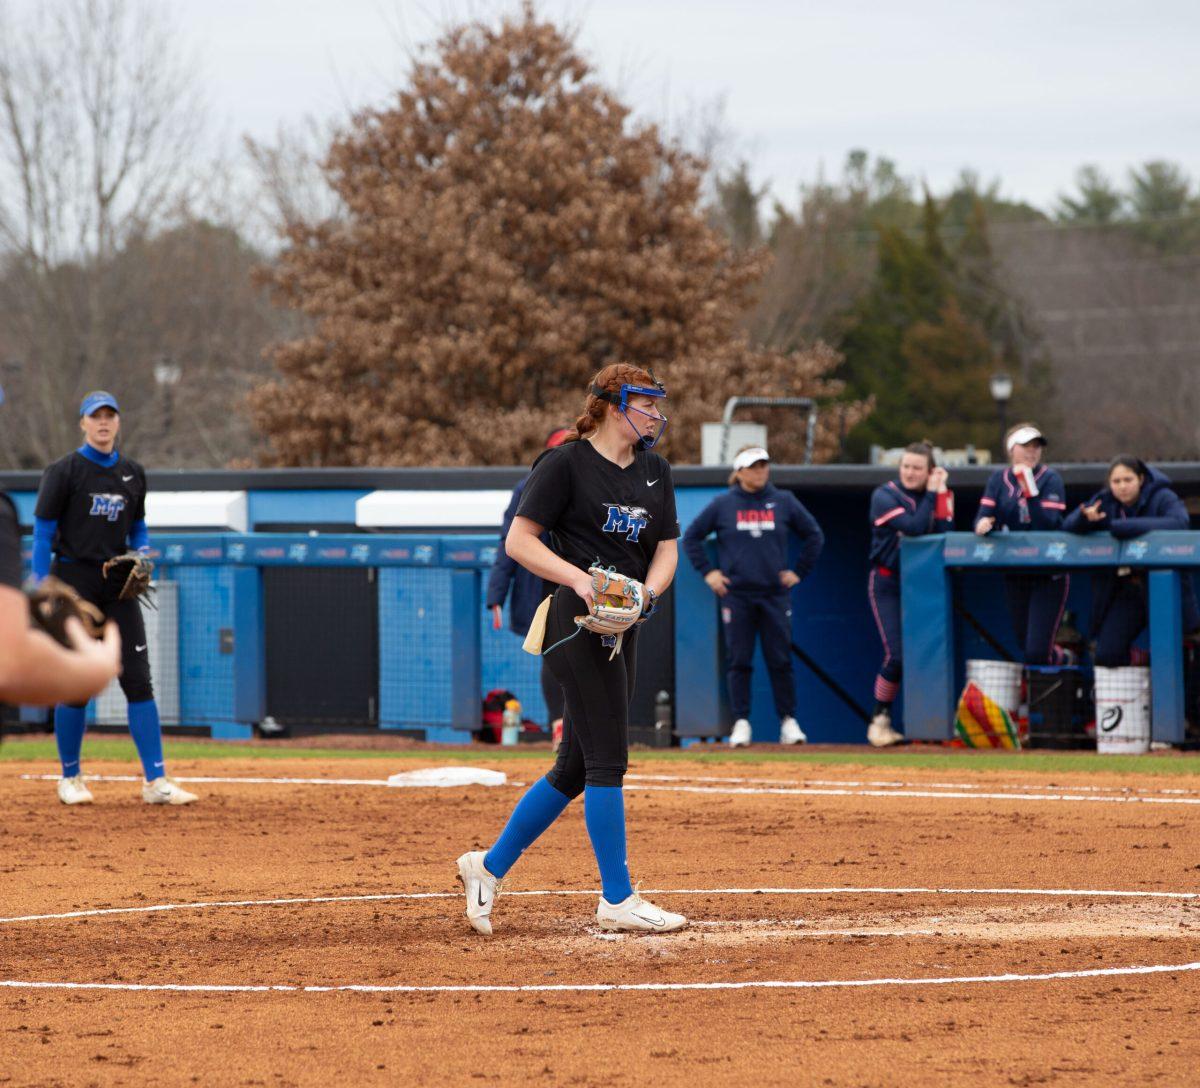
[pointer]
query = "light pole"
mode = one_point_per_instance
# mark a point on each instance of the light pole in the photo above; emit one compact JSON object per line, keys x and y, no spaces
{"x":1001,"y":386}
{"x":166,"y":377}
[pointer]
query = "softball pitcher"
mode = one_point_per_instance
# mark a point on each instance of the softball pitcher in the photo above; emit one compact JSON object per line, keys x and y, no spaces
{"x":607,"y":501}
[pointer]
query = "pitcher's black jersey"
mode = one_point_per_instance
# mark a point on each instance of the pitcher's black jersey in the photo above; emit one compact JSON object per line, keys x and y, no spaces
{"x":594,"y":509}
{"x":95,"y":506}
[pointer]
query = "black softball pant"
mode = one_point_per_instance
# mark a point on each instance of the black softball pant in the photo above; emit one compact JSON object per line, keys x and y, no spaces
{"x":595,"y":743}
{"x":88,"y":581}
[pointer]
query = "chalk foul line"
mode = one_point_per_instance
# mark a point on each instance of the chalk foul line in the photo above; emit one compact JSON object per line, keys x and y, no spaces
{"x":642,"y":783}
{"x":1082,"y":893}
{"x":601,"y":987}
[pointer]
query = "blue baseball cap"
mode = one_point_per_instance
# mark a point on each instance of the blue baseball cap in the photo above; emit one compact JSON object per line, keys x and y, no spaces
{"x":97,"y":400}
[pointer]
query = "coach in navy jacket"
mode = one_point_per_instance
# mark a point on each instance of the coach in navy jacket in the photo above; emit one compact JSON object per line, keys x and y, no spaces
{"x":1138,"y":499}
{"x":752,"y":521}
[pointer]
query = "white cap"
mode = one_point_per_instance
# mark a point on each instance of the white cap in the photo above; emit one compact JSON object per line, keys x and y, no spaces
{"x":749,"y":457}
{"x":1023,"y":435}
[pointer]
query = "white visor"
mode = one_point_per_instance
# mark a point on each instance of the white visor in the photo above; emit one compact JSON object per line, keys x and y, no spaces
{"x":1023,"y":435}
{"x":749,"y":457}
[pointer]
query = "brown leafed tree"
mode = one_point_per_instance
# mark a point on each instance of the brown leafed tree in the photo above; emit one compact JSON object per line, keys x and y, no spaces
{"x":504,"y":232}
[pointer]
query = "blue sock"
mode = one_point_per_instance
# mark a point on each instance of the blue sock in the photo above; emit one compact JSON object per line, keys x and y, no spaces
{"x":69,"y":725}
{"x":536,"y":811}
{"x":147,"y":737}
{"x":604,"y":813}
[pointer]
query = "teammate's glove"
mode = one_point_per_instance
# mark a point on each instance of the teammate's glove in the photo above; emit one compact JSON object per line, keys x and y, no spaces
{"x":53,"y":602}
{"x":128,"y":576}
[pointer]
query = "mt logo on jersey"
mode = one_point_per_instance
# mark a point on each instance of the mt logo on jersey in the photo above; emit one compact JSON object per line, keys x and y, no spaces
{"x":107,"y":506}
{"x":630,"y":520}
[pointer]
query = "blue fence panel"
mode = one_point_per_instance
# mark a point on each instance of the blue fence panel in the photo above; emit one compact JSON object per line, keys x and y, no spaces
{"x":414,"y":644}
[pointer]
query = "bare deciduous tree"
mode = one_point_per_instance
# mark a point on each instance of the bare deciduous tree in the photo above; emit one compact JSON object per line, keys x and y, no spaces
{"x":102,"y":181}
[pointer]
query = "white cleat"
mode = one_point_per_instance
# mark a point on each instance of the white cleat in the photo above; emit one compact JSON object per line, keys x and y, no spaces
{"x":791,"y":733}
{"x":72,"y":791}
{"x":162,"y":791}
{"x":636,"y":915}
{"x":880,"y":732}
{"x":481,"y":888}
{"x":739,"y":736}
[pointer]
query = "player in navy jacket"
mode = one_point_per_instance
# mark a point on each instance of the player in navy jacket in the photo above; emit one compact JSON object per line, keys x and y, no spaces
{"x":91,"y":506}
{"x":1138,"y":499}
{"x":917,"y":502}
{"x":523,"y":590}
{"x":752,"y":522}
{"x":1027,"y":496}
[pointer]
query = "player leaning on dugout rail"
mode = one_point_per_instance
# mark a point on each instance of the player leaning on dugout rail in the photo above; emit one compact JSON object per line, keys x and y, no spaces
{"x":607,"y":502}
{"x":1029,"y":497}
{"x":91,"y":508}
{"x":919,"y":501}
{"x":754,"y":582}
{"x":1136,"y":499}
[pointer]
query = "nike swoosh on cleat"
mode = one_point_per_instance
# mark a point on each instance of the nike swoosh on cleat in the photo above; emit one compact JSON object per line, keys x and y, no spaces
{"x":482,"y":901}
{"x":650,"y":921}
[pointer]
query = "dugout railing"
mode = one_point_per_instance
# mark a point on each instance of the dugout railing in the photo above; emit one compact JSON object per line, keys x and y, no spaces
{"x":938,"y":573}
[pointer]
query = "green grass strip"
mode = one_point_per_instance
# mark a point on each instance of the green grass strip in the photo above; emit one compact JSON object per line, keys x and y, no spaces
{"x":954,"y":761}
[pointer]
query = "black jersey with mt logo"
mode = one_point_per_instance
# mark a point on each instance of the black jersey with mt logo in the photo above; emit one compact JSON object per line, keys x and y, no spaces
{"x":594,"y":509}
{"x":95,"y":507}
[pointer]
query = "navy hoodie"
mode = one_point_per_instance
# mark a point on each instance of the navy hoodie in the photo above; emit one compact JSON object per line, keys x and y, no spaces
{"x":752,"y":537}
{"x":1004,"y":500}
{"x":507,"y":574}
{"x":897,"y":512}
{"x":1156,"y":507}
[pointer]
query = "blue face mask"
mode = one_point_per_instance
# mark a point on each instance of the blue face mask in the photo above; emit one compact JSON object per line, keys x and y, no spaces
{"x":621,"y":400}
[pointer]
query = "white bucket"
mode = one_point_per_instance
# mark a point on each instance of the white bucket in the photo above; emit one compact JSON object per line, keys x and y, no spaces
{"x":1000,"y":681}
{"x":1123,"y":710}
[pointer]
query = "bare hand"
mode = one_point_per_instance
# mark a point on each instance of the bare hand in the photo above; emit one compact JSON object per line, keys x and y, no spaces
{"x":937,"y":480}
{"x":789,"y":578}
{"x":1093,"y":512}
{"x":717,"y":582}
{"x":497,"y":617}
{"x":582,"y":585}
{"x":984,"y":526}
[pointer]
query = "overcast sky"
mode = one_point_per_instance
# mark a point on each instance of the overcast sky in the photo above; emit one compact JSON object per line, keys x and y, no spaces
{"x":1020,"y":90}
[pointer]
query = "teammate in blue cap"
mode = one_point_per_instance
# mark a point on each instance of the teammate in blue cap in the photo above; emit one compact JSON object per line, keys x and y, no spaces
{"x":34,"y":669}
{"x":91,"y":506}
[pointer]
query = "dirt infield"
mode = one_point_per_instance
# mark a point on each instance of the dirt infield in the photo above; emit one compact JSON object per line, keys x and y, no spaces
{"x":849,"y":928}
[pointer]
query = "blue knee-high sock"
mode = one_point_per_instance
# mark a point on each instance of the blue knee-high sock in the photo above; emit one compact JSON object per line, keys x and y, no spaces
{"x":69,"y":725}
{"x":147,"y":737}
{"x":536,"y":811}
{"x":604,"y":813}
